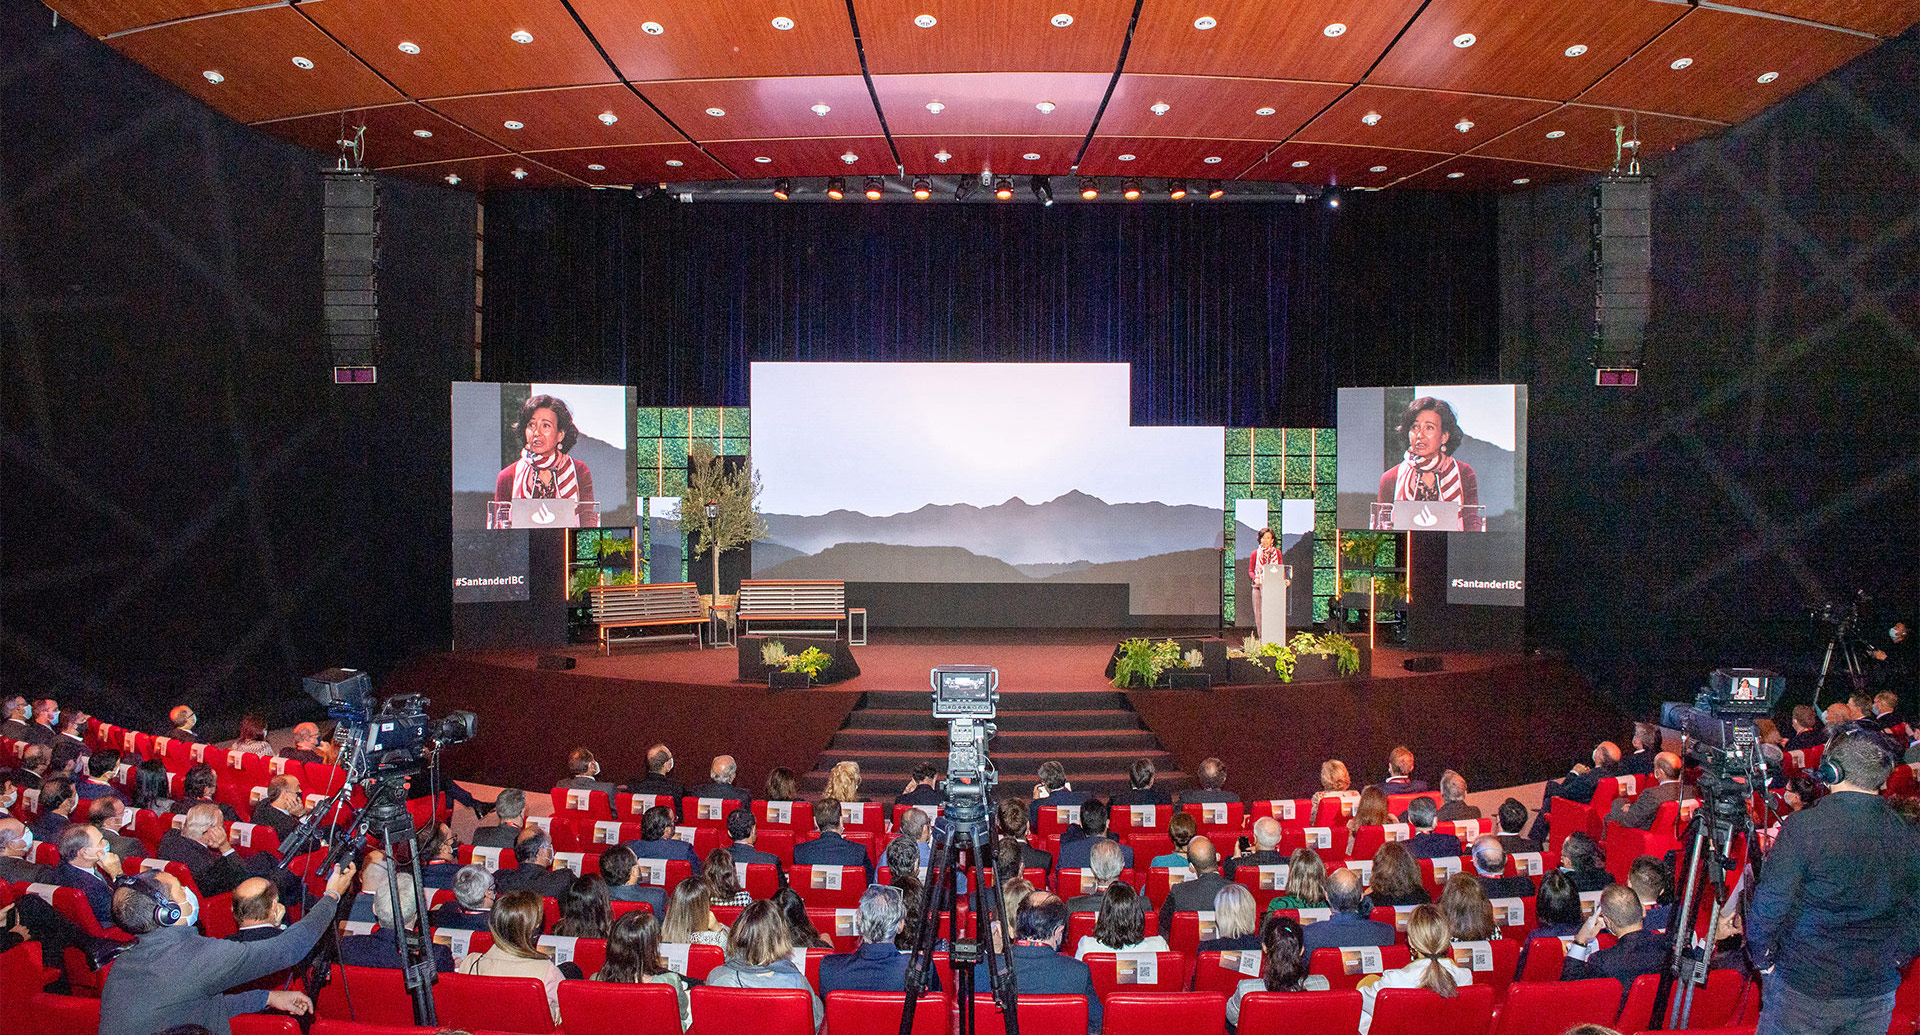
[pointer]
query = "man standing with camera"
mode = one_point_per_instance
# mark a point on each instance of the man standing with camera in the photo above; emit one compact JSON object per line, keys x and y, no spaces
{"x":1837,"y":909}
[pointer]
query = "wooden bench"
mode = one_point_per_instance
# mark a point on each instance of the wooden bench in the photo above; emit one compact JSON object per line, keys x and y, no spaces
{"x":646,"y":604}
{"x":794,"y":600}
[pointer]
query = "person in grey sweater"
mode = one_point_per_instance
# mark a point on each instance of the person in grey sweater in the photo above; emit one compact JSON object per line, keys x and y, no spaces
{"x":759,"y":955}
{"x":174,"y":975}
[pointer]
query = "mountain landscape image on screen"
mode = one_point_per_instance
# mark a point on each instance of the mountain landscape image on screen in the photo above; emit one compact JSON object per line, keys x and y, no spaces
{"x":1168,"y":555}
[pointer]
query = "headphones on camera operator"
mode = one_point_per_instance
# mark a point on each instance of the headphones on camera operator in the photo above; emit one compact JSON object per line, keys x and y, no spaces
{"x":1830,"y":772}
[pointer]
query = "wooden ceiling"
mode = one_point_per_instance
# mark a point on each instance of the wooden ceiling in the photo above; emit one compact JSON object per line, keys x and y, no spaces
{"x":1440,"y":94}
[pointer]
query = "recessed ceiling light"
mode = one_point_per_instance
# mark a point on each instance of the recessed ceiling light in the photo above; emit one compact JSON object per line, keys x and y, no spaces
{"x":1555,"y":134}
{"x":1523,"y":180}
{"x":675,"y":162}
{"x":452,"y":179}
{"x":1211,"y":159}
{"x":936,"y":107}
{"x":213,"y":76}
{"x":925,"y":21}
{"x":521,"y":36}
{"x":1161,"y":108}
{"x":515,"y":124}
{"x":1378,"y":169}
{"x":1680,"y":63}
{"x":1335,"y":29}
{"x":1465,"y":40}
{"x":821,"y":109}
{"x":608,"y":118}
{"x":1455,"y":175}
{"x":783,"y":23}
{"x":1263,"y":111}
{"x":763,"y":159}
{"x":596,"y":167}
{"x":1463,"y":125}
{"x":849,"y":158}
{"x":409,"y":48}
{"x":1767,"y":77}
{"x":1046,"y":107}
{"x":652,"y":28}
{"x":519,"y":174}
{"x":305,"y":64}
{"x":1301,"y":163}
{"x":1371,"y":118}
{"x":1061,"y":21}
{"x":1031,"y":156}
{"x":1576,"y":50}
{"x":1629,"y":143}
{"x":716,"y":112}
{"x":1128,"y":158}
{"x":942,"y":157}
{"x":423,"y":133}
{"x":1204,"y":22}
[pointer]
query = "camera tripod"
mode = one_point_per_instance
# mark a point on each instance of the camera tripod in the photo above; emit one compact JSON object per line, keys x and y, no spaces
{"x":1721,"y":819}
{"x":968,"y":825}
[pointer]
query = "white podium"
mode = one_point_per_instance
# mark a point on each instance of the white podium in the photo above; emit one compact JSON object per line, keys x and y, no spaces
{"x":1274,"y":579}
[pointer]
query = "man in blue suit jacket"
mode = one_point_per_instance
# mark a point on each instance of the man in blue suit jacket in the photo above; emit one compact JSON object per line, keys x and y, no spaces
{"x":1422,"y":815}
{"x":829,"y":848}
{"x":657,"y":840}
{"x":1093,"y":825}
{"x":1400,"y":773}
{"x":877,"y":966}
{"x":1053,"y":790}
{"x":87,"y":866}
{"x":1349,"y":926}
{"x":1638,"y":951}
{"x":1039,"y":968}
{"x":743,"y":830}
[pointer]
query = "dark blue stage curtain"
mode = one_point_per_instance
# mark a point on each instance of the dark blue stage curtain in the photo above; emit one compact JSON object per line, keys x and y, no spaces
{"x":1231,"y":313}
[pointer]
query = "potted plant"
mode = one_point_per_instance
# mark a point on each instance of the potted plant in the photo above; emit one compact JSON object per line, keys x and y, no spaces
{"x":1324,"y":657}
{"x":720,"y":509}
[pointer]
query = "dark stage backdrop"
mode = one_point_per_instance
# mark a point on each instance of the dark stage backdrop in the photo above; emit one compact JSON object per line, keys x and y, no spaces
{"x":193,"y":511}
{"x":1769,"y":459}
{"x":1231,"y":313}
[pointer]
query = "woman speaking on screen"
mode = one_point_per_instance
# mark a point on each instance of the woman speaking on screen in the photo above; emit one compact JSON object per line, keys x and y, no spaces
{"x":1429,"y":471}
{"x":544,"y":470}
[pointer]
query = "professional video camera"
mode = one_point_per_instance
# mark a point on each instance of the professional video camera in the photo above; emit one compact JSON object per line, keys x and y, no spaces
{"x":967,"y":696}
{"x":1721,"y":736}
{"x":395,"y":738}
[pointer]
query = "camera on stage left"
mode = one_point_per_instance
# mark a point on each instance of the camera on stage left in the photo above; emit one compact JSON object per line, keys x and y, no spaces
{"x":392,"y":737}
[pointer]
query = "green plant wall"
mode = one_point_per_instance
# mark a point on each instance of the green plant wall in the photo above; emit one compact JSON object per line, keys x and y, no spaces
{"x":663,"y":436}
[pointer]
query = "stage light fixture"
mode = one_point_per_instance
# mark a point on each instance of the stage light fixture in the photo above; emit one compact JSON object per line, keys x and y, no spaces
{"x":875,"y":188}
{"x":1089,"y":189}
{"x":922,"y":189}
{"x":1333,"y":197}
{"x":1130,"y":190}
{"x":837,"y":188}
{"x":1215,"y":190}
{"x":782,"y":189}
{"x":1003,"y":188}
{"x":1177,"y":190}
{"x":963,"y":188}
{"x":1043,"y":189}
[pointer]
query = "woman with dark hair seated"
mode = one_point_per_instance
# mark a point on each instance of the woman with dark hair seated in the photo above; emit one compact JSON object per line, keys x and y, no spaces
{"x":781,"y":786}
{"x":633,"y":957}
{"x":1556,"y":913}
{"x":1396,"y":878}
{"x":1180,"y":830}
{"x":1283,"y":965}
{"x":585,"y":912}
{"x":1121,"y":925}
{"x":515,"y":924}
{"x":253,"y":737}
{"x":722,"y":880}
{"x":150,"y":786}
{"x":1467,"y":910}
{"x":1583,"y":861}
{"x":903,"y":872}
{"x":800,"y":930}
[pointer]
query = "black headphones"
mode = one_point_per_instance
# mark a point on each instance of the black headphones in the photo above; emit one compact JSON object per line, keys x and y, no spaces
{"x":1830,"y":772}
{"x":166,"y":911}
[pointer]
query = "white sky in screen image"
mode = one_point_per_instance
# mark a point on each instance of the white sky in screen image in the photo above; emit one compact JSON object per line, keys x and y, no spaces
{"x":885,"y":438}
{"x":1484,"y":411}
{"x":599,"y":411}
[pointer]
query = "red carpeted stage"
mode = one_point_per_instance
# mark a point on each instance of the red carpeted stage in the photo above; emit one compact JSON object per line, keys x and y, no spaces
{"x":1500,"y":719}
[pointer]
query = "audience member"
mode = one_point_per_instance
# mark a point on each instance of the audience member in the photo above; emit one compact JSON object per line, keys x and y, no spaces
{"x":1106,"y":862}
{"x":511,"y":808}
{"x":1283,"y":965}
{"x":743,"y":831}
{"x":1053,"y":789}
{"x":36,"y":764}
{"x":1013,"y":823}
{"x":1334,"y":779}
{"x":87,"y":867}
{"x":1121,"y":925}
{"x":1093,"y":826}
{"x":1306,"y":882}
{"x":16,"y":841}
{"x":829,"y":847}
{"x":57,"y":802}
{"x":439,"y":856}
{"x":1807,"y":729}
{"x":877,"y":965}
{"x":720,"y":777}
{"x":1653,"y":883}
{"x":44,"y":726}
{"x":204,"y":847}
{"x":1212,"y":775}
{"x":656,"y":781}
{"x":382,"y":947}
{"x":723,"y":880}
{"x":152,"y":787}
{"x":1583,"y":861}
{"x":1556,"y":912}
{"x":110,"y":816}
{"x":1348,"y":927}
{"x":1195,"y":895}
{"x":282,"y":808}
{"x":306,"y":745}
{"x":472,"y":904}
{"x":534,"y":871}
{"x":69,"y":759}
{"x":1512,"y":818}
{"x":657,"y":840}
{"x":843,"y":782}
{"x":1467,"y":909}
{"x":253,"y":737}
{"x":184,"y":720}
{"x":99,"y":766}
{"x":197,"y":787}
{"x":1400,"y":773}
{"x":1140,"y":789}
{"x":1236,"y":923}
{"x":760,"y":955}
{"x":1422,"y":815}
{"x":1038,"y":929}
{"x":15,"y":718}
{"x":1646,"y":748}
{"x":586,"y":911}
{"x":800,"y":929}
{"x":689,"y":919}
{"x":1371,"y":811}
{"x":1453,"y":799}
{"x":1490,"y":868}
{"x":1396,"y":878}
{"x":1640,"y":811}
{"x":1637,"y":951}
{"x":923,"y":787}
{"x":1180,"y":830}
{"x":633,"y":957}
{"x":517,"y":921}
{"x":781,"y":786}
{"x":257,"y":912}
{"x":583,"y":774}
{"x":1264,"y":851}
{"x":1431,"y":967}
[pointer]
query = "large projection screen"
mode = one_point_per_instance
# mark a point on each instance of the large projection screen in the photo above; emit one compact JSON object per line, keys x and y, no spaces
{"x":958,"y":488}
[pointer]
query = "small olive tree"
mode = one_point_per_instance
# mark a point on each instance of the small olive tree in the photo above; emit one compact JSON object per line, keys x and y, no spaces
{"x":734,"y":498}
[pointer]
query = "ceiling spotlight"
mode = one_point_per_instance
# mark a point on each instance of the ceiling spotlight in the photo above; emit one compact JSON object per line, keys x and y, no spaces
{"x":1215,"y":189}
{"x":1030,"y":156}
{"x":1089,"y":189}
{"x":849,"y":158}
{"x":875,"y":188}
{"x":1301,"y":163}
{"x":675,"y":162}
{"x":1204,"y":22}
{"x":596,"y":167}
{"x":1263,"y":111}
{"x":1455,"y":175}
{"x":1378,"y":169}
{"x":1463,"y":125}
{"x":213,"y":76}
{"x":1130,"y":190}
{"x":783,"y":23}
{"x":922,"y":189}
{"x":1371,"y":118}
{"x":1465,"y":40}
{"x":837,"y":188}
{"x":963,"y":188}
{"x":652,"y":28}
{"x":608,"y":118}
{"x":1061,"y":21}
{"x":519,"y":174}
{"x":821,"y":109}
{"x":1576,"y":50}
{"x":936,"y":107}
{"x":942,"y":157}
{"x":1003,"y":188}
{"x":1211,"y":159}
{"x":514,"y":124}
{"x":521,"y":36}
{"x":1522,"y":181}
{"x":1177,"y":190}
{"x":1680,"y":63}
{"x":1555,"y":134}
{"x":1043,"y":189}
{"x":423,"y":133}
{"x":1046,"y":107}
{"x":782,"y":189}
{"x":306,"y":64}
{"x":716,"y":112}
{"x":1765,"y":77}
{"x":1161,"y":108}
{"x":452,"y":179}
{"x":409,"y":48}
{"x":925,"y":21}
{"x":1128,"y":158}
{"x":1335,"y":29}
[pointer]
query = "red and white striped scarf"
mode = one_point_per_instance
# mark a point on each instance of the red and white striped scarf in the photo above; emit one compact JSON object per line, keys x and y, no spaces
{"x":527,"y":483}
{"x":1408,"y":486}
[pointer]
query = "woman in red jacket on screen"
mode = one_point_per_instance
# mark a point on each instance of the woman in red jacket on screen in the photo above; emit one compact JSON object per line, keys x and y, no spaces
{"x":544,"y":470}
{"x":1429,"y":471}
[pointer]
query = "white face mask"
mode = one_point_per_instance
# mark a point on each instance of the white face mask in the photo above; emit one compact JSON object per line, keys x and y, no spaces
{"x":190,"y":912}
{"x":7,"y":802}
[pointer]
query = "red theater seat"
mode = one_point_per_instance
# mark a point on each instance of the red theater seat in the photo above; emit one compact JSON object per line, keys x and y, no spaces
{"x":764,"y":1011}
{"x":264,"y":1024}
{"x":1300,"y":1013}
{"x":878,"y":1013}
{"x":474,"y":1001}
{"x":371,"y":995}
{"x":1038,"y":1015}
{"x":1416,"y":1011}
{"x":814,"y":883}
{"x":326,"y":1027}
{"x":599,"y":1008}
{"x":1552,"y":1008}
{"x":1153,"y":1013}
{"x":1109,"y":969}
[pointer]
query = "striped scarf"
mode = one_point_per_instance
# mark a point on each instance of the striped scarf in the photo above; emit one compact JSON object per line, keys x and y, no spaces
{"x":1408,"y":486}
{"x":561,"y":483}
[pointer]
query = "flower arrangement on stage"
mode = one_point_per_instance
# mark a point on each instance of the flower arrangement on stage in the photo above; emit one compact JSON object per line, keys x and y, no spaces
{"x":773,"y":654}
{"x":1274,"y":655}
{"x":1346,"y":657}
{"x":1147,"y":660}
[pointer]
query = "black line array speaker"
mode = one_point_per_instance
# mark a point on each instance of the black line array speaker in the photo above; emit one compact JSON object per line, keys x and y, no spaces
{"x":350,"y":257}
{"x":1622,"y":266}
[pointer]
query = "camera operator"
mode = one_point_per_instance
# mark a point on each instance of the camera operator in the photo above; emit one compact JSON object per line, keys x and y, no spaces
{"x":1837,"y":908}
{"x":1893,"y":667}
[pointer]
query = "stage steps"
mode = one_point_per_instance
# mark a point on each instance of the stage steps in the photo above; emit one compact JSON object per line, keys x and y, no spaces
{"x":1095,"y":733}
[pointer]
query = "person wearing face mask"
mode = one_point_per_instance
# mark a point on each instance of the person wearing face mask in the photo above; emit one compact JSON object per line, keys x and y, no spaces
{"x":16,"y":849}
{"x":282,"y":808}
{"x":172,"y":974}
{"x":1430,"y":471}
{"x":203,"y":846}
{"x":46,"y":722}
{"x":110,"y":817}
{"x":1893,"y":660}
{"x":73,"y":728}
{"x":257,"y":911}
{"x":586,"y":773}
{"x":183,"y":721}
{"x":13,"y":718}
{"x":89,"y":868}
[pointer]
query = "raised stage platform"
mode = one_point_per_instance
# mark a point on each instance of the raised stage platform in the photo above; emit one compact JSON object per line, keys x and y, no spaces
{"x":1500,"y":719}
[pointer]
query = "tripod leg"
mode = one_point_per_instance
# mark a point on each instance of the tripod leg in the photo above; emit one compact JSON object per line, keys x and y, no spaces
{"x":939,"y":869}
{"x":999,"y":958}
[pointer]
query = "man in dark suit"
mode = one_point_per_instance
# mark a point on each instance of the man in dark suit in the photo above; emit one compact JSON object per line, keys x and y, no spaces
{"x":202,"y":845}
{"x":829,"y":847}
{"x":923,"y":787}
{"x":1638,"y":951}
{"x":1348,"y":927}
{"x":109,"y":815}
{"x":439,"y":859}
{"x":743,"y":831}
{"x":1053,"y":789}
{"x":1646,"y":745}
{"x":657,"y":840}
{"x":1490,"y":867}
{"x":1651,"y":881}
{"x":1400,"y":773}
{"x":472,"y":904}
{"x":45,"y":726}
{"x":196,"y":788}
{"x":1264,"y":852}
{"x":57,"y":802}
{"x":183,"y":721}
{"x":1039,"y":926}
{"x":1422,"y":814}
{"x":1106,"y":864}
{"x":257,"y":912}
{"x":1639,"y":812}
{"x":100,"y":765}
{"x":87,"y":867}
{"x":1512,"y":818}
{"x":584,"y":774}
{"x":1093,"y":827}
{"x":511,"y":807}
{"x":1807,"y":730}
{"x":382,"y":947}
{"x":534,"y":853}
{"x":1140,"y":789}
{"x":1196,"y":895}
{"x":1013,"y":823}
{"x":14,"y":718}
{"x":15,"y":842}
{"x":281,"y":809}
{"x":659,"y":764}
{"x":720,"y":777}
{"x":876,"y":966}
{"x":621,"y":870}
{"x":1453,"y":799}
{"x":1212,"y":775}
{"x":1578,"y":785}
{"x":305,"y":748}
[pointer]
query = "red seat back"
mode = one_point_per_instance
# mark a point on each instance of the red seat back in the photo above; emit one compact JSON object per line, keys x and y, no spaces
{"x":1038,"y":1015}
{"x":775,"y":842}
{"x":1123,"y":972}
{"x":601,"y":1008}
{"x":1300,"y":1013}
{"x":1221,"y":971}
{"x":62,"y":1014}
{"x":765,"y":1011}
{"x":1190,"y":1013}
{"x":1492,"y":963}
{"x":1416,"y":1011}
{"x":1252,"y":877}
{"x":828,"y":887}
{"x":798,"y":818}
{"x":477,"y":1001}
{"x":326,"y":1027}
{"x":1344,"y":968}
{"x":878,"y":1013}
{"x":837,"y":925}
{"x":1127,"y":820}
{"x":763,"y":880}
{"x":1055,"y":819}
{"x":1552,"y":1008}
{"x":263,"y":1024}
{"x":372,"y":995}
{"x":576,"y":801}
{"x":1546,"y":957}
{"x":1218,"y":820}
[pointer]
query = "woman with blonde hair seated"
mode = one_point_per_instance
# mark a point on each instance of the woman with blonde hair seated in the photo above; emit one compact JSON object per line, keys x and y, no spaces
{"x":1432,"y":967}
{"x":690,"y":919}
{"x":1334,"y":779}
{"x":1306,"y":882}
{"x":516,"y":925}
{"x":760,"y":955}
{"x":1236,"y":925}
{"x":843,"y":781}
